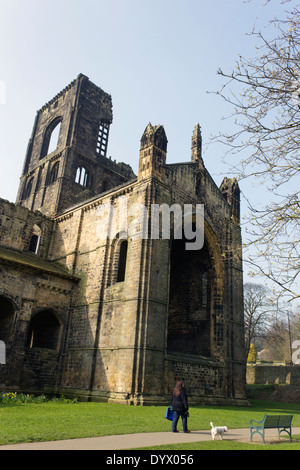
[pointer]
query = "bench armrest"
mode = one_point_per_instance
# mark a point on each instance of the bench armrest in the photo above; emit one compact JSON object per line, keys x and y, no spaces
{"x":257,"y":422}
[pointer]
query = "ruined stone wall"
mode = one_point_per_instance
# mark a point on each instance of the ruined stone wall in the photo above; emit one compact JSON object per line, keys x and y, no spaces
{"x":32,"y":291}
{"x":17,"y":226}
{"x":29,"y":284}
{"x":264,"y":374}
{"x":110,"y":329}
{"x":119,"y":331}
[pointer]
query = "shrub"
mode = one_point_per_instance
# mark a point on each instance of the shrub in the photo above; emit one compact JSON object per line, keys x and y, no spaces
{"x":252,"y":354}
{"x":13,"y":397}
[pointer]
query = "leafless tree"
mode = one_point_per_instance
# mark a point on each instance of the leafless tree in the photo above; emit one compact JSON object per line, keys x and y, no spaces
{"x":280,"y":330}
{"x":264,"y":93}
{"x":259,"y":312}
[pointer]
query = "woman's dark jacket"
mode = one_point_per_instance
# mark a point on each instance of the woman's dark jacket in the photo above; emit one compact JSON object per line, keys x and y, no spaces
{"x":180,"y":403}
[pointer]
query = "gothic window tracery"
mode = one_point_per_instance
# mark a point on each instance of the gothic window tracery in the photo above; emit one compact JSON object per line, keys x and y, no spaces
{"x":102,"y":142}
{"x":82,"y":176}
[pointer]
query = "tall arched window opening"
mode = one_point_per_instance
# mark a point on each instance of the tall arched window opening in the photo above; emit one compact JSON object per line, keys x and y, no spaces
{"x":35,"y":239}
{"x":51,"y":137}
{"x":44,"y":331}
{"x":122,"y":261}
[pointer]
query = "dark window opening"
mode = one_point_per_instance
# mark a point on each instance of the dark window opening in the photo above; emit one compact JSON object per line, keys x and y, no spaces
{"x":7,"y":312}
{"x":33,"y":246}
{"x":35,"y":239}
{"x":122,"y":261}
{"x":44,"y":331}
{"x":102,"y":142}
{"x":82,"y":176}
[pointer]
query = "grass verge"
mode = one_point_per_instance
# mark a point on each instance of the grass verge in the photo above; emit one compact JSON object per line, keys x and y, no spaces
{"x":226,"y":445}
{"x":33,"y":422}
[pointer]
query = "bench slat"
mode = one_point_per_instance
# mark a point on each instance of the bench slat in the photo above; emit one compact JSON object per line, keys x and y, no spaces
{"x":285,"y":420}
{"x":271,"y":421}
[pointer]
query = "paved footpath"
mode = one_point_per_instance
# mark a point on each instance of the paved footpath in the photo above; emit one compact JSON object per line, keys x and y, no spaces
{"x":132,"y":441}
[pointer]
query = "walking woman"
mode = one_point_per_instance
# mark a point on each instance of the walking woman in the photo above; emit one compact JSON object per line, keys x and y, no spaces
{"x":180,"y":407}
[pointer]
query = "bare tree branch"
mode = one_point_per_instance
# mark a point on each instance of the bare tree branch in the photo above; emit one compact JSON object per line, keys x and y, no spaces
{"x":264,"y":93}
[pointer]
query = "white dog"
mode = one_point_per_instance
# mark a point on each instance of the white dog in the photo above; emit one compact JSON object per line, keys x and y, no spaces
{"x":218,"y":431}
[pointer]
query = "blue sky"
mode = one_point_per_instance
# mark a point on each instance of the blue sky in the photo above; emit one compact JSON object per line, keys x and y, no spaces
{"x":157,"y":58}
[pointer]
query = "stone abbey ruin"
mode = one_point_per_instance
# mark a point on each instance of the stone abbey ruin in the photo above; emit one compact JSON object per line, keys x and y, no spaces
{"x":117,"y":319}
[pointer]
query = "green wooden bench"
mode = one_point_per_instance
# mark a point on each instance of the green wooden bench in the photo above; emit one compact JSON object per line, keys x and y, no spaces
{"x":281,"y":422}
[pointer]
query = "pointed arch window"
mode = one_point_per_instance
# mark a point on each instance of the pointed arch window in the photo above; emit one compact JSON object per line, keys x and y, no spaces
{"x":51,"y":137}
{"x":118,"y":260}
{"x":35,"y":239}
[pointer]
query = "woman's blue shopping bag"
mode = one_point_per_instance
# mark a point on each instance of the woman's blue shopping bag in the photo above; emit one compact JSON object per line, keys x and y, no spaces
{"x":169,"y":413}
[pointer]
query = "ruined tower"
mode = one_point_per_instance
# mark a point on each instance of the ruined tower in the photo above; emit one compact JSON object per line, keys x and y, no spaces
{"x":66,"y":160}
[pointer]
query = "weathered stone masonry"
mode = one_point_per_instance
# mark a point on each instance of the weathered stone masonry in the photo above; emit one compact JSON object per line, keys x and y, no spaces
{"x":117,"y":319}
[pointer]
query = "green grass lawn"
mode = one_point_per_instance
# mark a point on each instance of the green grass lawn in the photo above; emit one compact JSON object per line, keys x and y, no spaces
{"x":31,"y":422}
